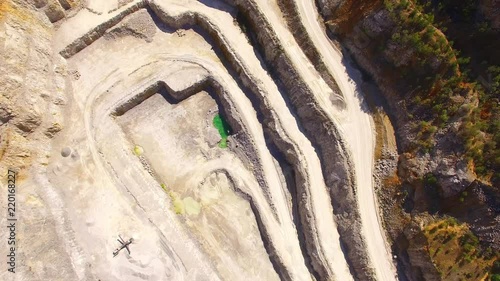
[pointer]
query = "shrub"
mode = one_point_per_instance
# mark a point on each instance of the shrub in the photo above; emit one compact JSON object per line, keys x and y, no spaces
{"x":468,"y":248}
{"x":430,"y":180}
{"x":469,"y":238}
{"x":452,"y":221}
{"x":496,"y":267}
{"x":468,"y":258}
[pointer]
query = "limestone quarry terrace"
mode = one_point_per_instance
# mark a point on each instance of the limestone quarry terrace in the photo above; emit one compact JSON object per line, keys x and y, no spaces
{"x":207,"y":133}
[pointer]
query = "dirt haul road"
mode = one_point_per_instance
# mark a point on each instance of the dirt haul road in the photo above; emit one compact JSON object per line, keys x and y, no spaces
{"x":356,"y":124}
{"x":330,"y":253}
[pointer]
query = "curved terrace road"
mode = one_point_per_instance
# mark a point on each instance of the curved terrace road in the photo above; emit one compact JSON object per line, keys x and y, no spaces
{"x":356,"y":125}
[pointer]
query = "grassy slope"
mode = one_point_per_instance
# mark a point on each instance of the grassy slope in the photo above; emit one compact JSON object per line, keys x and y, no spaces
{"x":437,"y":84}
{"x":477,"y":45}
{"x":456,"y":252}
{"x":443,"y":85}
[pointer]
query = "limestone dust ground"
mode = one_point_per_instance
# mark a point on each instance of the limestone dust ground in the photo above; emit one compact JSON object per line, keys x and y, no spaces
{"x":177,"y":140}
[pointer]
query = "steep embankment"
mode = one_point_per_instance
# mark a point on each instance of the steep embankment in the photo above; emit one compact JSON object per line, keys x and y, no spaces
{"x":355,"y":122}
{"x":302,"y":93}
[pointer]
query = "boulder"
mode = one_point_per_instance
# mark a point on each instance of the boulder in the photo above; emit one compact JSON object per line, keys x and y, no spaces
{"x":54,"y":11}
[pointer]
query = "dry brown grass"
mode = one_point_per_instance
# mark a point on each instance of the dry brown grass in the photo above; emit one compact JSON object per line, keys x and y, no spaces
{"x":455,"y":257}
{"x":380,"y":134}
{"x":385,"y":133}
{"x":384,"y":130}
{"x":392,"y":181}
{"x":7,"y":8}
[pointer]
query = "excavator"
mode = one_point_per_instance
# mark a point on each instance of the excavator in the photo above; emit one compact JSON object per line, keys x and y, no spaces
{"x":124,"y":245}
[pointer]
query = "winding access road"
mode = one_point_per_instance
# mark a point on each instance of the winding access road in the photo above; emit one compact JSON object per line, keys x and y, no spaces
{"x":356,"y":126}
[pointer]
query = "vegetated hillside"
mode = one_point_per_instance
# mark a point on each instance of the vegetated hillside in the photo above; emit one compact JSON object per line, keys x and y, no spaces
{"x":438,"y":67}
{"x":474,"y":31}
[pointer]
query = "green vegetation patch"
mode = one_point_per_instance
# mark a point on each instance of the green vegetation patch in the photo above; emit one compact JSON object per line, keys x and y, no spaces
{"x":456,"y":251}
{"x":224,"y":130}
{"x":138,"y":150}
{"x":178,"y":207}
{"x":178,"y":204}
